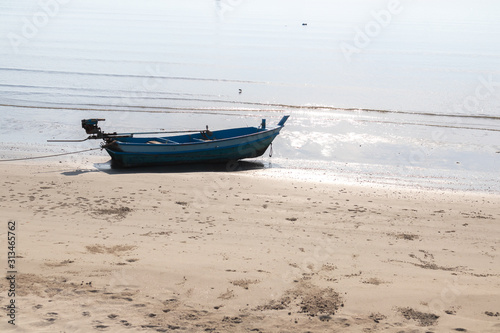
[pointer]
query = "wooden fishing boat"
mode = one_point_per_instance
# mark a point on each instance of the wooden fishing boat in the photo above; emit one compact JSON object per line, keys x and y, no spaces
{"x":130,"y":150}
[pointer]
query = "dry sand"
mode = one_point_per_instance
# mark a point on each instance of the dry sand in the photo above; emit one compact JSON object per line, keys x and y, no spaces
{"x":235,"y":252}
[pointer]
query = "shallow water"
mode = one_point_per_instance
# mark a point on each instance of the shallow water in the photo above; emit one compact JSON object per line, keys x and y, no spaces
{"x":381,"y":92}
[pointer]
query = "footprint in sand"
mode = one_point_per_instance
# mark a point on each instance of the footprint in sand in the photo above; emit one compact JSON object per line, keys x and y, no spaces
{"x":51,"y":316}
{"x":244,"y":283}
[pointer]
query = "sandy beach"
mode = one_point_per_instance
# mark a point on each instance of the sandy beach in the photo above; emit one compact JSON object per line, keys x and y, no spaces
{"x":238,"y":252}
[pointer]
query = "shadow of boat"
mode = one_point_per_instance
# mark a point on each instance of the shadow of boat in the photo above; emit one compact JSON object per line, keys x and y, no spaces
{"x":77,"y":172}
{"x":234,"y":166}
{"x":111,"y":169}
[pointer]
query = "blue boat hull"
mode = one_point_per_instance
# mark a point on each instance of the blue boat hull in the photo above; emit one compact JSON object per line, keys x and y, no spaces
{"x":131,"y":154}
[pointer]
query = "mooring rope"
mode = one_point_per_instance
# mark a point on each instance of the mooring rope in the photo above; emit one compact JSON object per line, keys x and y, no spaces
{"x":46,"y":156}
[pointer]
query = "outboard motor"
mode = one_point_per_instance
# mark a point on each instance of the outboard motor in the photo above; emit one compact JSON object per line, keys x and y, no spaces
{"x":90,"y":125}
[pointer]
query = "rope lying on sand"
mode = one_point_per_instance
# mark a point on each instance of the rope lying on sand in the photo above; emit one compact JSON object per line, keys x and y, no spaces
{"x":46,"y":156}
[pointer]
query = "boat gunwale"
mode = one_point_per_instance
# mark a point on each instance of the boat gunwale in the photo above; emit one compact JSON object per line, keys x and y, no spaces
{"x":196,"y":143}
{"x":249,"y":143}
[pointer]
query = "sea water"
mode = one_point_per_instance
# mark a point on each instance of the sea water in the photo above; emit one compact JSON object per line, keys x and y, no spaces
{"x":379,"y":92}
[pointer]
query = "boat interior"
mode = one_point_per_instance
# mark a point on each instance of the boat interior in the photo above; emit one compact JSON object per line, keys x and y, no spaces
{"x":202,"y":136}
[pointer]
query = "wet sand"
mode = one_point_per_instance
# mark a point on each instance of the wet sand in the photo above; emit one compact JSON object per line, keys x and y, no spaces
{"x":236,"y":252}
